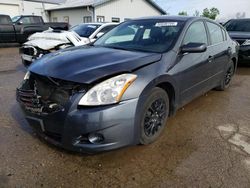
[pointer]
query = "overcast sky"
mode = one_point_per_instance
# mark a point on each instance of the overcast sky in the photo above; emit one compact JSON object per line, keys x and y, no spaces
{"x":228,"y":8}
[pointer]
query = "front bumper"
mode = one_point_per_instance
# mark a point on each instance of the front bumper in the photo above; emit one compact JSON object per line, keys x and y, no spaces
{"x":244,"y":53}
{"x":70,"y":128}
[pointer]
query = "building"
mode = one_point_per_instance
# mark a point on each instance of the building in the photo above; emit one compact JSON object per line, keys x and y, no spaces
{"x":79,"y":11}
{"x":27,"y":7}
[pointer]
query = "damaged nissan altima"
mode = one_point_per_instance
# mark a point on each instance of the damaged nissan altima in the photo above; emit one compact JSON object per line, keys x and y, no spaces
{"x":121,"y":90}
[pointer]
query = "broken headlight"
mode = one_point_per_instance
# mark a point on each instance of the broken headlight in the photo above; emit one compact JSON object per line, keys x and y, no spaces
{"x":109,"y":91}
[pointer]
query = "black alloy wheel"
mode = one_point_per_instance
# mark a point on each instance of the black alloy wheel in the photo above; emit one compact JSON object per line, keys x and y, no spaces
{"x":155,"y":114}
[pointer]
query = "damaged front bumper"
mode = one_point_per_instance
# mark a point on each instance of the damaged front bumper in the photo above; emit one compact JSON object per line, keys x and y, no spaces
{"x":79,"y":128}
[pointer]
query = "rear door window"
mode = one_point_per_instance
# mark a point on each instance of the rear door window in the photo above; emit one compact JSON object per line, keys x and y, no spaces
{"x":224,"y":34}
{"x":215,"y":32}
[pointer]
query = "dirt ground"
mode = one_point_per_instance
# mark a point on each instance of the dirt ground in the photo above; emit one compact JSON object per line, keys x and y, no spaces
{"x":207,"y":144}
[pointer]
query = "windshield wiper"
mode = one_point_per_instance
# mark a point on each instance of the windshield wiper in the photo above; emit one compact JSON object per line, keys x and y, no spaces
{"x":117,"y":48}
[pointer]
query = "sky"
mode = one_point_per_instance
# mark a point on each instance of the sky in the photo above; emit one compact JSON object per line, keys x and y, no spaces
{"x":228,"y":8}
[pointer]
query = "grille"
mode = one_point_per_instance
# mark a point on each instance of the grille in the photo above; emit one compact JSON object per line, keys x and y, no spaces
{"x":28,"y":98}
{"x":44,"y":95}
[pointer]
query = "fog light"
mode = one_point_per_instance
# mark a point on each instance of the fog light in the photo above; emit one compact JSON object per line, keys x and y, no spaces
{"x":95,"y":138}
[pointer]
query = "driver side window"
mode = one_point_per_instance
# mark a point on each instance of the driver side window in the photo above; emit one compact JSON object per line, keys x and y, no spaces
{"x":196,"y":33}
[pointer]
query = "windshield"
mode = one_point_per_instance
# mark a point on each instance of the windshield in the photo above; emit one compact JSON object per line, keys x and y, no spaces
{"x":143,"y":35}
{"x":85,"y":30}
{"x":238,"y":25}
{"x":14,"y":19}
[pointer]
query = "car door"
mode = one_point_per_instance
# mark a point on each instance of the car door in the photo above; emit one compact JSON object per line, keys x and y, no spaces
{"x":7,"y":33}
{"x":219,"y":50}
{"x":192,"y":68}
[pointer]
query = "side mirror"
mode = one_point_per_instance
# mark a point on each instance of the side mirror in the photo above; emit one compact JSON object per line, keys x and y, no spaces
{"x":194,"y":48}
{"x":20,"y":23}
{"x":99,"y":35}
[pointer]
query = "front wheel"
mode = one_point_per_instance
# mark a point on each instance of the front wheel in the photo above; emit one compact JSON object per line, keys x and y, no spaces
{"x":225,"y":82}
{"x":154,"y":116}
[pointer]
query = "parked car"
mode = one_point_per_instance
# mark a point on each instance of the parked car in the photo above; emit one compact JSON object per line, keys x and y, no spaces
{"x":121,"y":90}
{"x":49,"y":41}
{"x":239,"y":30}
{"x":21,"y":27}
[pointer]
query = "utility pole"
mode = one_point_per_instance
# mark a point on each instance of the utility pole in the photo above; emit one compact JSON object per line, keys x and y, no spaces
{"x":22,"y":5}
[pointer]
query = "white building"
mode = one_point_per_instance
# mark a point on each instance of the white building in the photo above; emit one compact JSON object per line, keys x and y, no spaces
{"x":26,"y":7}
{"x":79,"y":11}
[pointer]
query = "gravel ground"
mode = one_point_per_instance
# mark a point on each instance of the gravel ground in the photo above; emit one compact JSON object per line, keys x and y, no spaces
{"x":207,"y":144}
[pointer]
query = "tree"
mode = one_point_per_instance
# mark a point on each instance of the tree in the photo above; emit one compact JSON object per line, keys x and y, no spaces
{"x":183,"y":13}
{"x":211,"y":13}
{"x":197,"y":13}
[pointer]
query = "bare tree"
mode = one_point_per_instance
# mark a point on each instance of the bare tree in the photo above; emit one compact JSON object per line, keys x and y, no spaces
{"x":197,"y":13}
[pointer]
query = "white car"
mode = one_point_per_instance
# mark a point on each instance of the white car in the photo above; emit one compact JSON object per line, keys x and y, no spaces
{"x":49,"y":41}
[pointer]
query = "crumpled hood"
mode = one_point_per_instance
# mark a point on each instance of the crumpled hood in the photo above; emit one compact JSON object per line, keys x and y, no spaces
{"x":45,"y":44}
{"x":48,"y":40}
{"x":239,"y":35}
{"x":88,"y":64}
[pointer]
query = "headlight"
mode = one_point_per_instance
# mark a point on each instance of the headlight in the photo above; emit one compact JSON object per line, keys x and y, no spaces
{"x":247,"y":42}
{"x":109,"y":91}
{"x":27,"y":75}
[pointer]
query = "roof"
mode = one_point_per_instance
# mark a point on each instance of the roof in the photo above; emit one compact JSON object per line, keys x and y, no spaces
{"x":166,"y":17}
{"x":73,"y":4}
{"x":99,"y":23}
{"x":247,"y":19}
{"x":69,"y":4}
{"x":48,"y":1}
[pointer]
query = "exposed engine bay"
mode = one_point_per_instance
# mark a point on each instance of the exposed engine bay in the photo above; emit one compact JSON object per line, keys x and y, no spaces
{"x":44,"y":95}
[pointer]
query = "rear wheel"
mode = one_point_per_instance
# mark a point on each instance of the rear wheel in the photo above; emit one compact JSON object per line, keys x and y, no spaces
{"x":225,"y":82}
{"x":154,"y":116}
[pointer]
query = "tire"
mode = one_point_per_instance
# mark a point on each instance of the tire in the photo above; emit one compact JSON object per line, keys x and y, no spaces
{"x":154,"y":116}
{"x":228,"y":75}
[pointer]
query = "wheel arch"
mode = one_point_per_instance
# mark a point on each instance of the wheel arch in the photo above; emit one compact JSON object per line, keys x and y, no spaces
{"x":170,"y":90}
{"x":168,"y":84}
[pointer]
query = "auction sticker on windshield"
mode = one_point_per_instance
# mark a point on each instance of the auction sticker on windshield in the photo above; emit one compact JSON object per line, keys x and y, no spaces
{"x":164,"y":24}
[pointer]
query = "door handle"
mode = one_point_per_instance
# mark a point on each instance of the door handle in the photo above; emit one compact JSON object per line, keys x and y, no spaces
{"x":210,"y":59}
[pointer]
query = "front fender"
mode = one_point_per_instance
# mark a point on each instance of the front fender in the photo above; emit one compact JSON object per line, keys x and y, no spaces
{"x":148,"y":78}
